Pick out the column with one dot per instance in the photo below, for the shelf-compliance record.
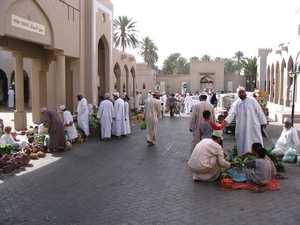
(39, 92)
(20, 117)
(60, 82)
(280, 97)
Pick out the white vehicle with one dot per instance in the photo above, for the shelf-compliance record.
(225, 101)
(195, 99)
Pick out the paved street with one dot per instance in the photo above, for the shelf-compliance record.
(127, 182)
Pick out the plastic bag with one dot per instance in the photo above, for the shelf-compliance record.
(237, 177)
(290, 155)
(143, 125)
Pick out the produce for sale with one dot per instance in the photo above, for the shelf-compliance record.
(6, 149)
(225, 175)
(33, 156)
(40, 154)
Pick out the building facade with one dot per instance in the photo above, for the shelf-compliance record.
(59, 48)
(278, 79)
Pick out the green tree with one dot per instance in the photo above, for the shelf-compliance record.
(229, 67)
(239, 61)
(148, 51)
(250, 70)
(182, 66)
(194, 58)
(125, 33)
(169, 64)
(167, 67)
(206, 57)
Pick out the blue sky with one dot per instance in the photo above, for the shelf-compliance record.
(217, 28)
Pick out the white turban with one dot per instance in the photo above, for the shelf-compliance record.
(106, 95)
(289, 120)
(203, 93)
(116, 94)
(217, 133)
(62, 107)
(79, 93)
(240, 88)
(43, 109)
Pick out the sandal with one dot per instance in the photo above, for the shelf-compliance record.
(256, 189)
(119, 137)
(150, 144)
(280, 176)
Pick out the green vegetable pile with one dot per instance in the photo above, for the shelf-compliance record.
(40, 138)
(233, 153)
(93, 122)
(225, 175)
(279, 166)
(6, 149)
(238, 161)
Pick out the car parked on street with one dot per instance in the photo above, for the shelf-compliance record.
(225, 101)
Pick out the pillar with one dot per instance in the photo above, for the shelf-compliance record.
(39, 91)
(60, 82)
(20, 117)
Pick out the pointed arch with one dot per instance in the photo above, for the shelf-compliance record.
(103, 66)
(117, 73)
(206, 82)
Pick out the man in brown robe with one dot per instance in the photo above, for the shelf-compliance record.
(151, 115)
(55, 130)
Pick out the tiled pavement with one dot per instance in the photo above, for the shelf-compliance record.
(127, 182)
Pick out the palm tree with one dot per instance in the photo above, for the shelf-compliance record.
(182, 66)
(205, 57)
(169, 64)
(238, 59)
(125, 33)
(250, 69)
(167, 67)
(229, 66)
(195, 58)
(148, 51)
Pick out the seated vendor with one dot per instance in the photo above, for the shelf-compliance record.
(288, 139)
(258, 171)
(7, 138)
(207, 159)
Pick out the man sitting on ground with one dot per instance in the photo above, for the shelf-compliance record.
(7, 138)
(288, 139)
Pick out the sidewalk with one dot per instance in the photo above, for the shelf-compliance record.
(124, 181)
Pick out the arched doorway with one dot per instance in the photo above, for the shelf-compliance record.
(103, 66)
(206, 82)
(3, 87)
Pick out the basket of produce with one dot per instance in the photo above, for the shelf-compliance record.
(226, 183)
(7, 169)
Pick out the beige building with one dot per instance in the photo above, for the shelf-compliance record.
(279, 62)
(203, 75)
(59, 48)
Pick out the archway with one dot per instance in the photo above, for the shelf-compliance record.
(3, 87)
(103, 66)
(206, 82)
(117, 72)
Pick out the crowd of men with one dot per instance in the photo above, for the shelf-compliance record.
(206, 153)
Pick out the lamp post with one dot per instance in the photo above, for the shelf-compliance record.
(293, 73)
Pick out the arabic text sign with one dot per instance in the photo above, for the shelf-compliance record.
(22, 23)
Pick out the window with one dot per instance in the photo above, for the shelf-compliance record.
(144, 86)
